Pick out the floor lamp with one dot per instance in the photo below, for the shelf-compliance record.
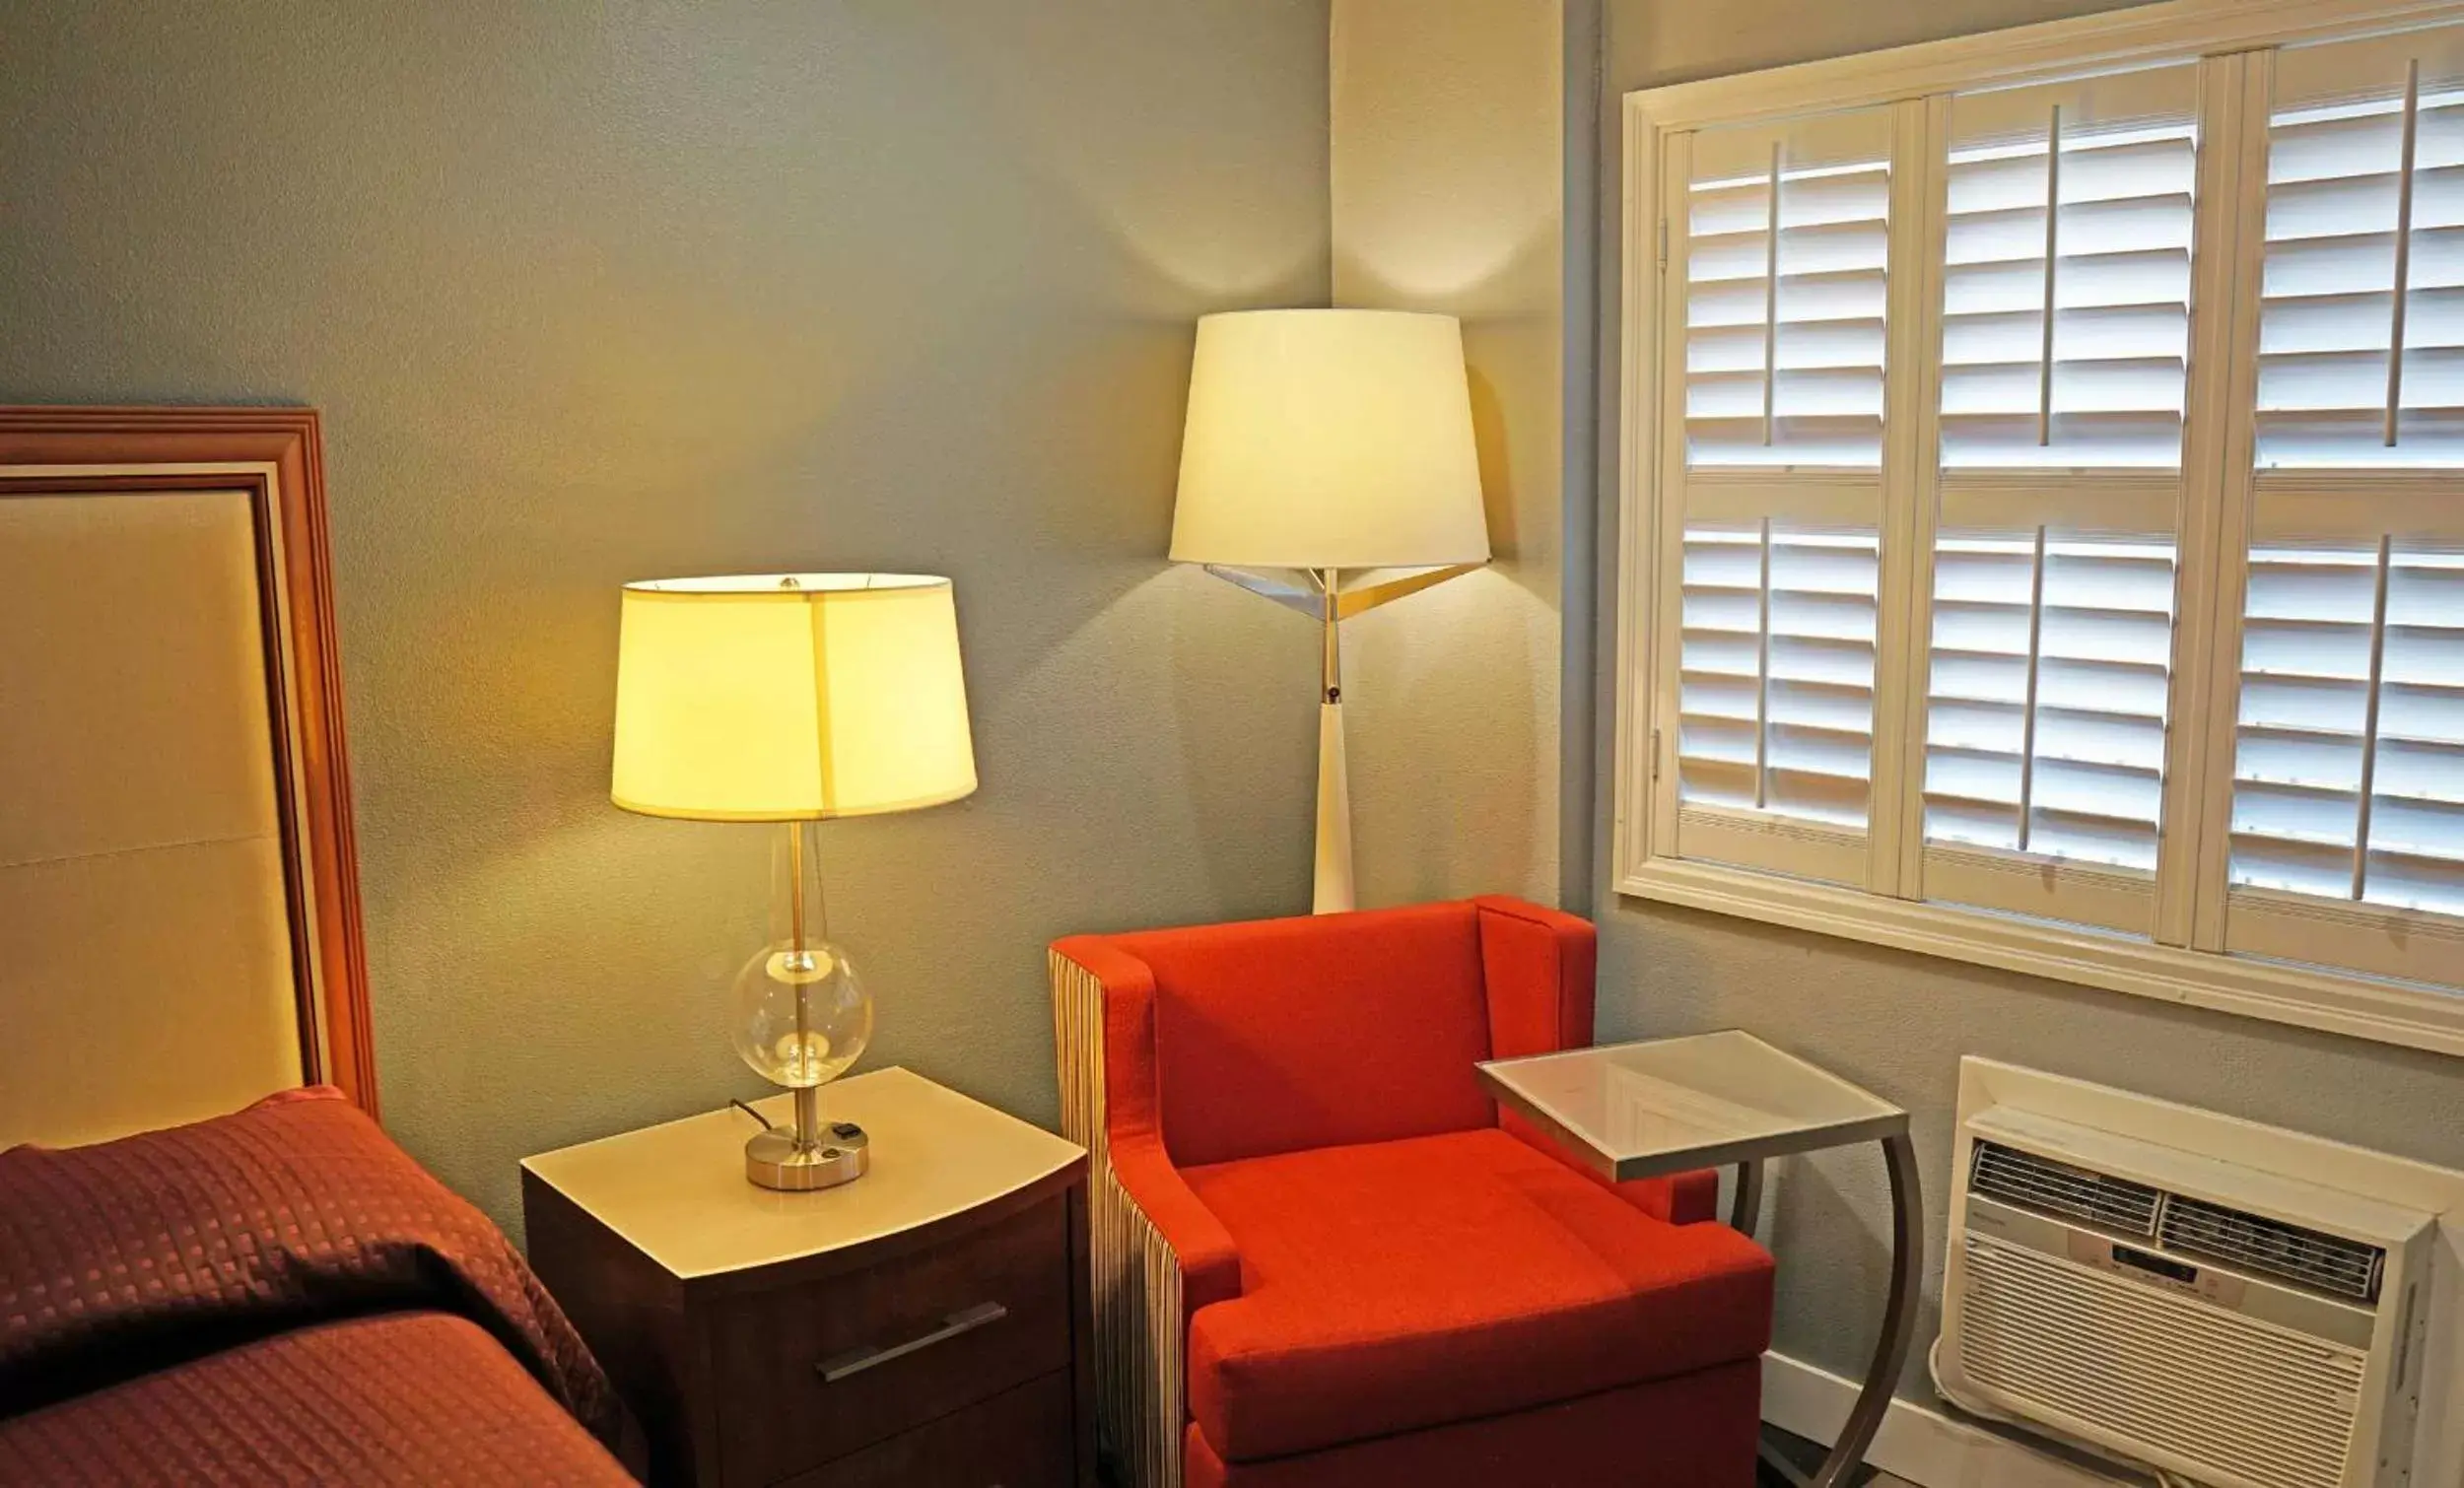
(1328, 464)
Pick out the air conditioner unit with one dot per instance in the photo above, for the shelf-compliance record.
(2189, 1310)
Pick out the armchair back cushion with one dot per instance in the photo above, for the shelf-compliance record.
(1282, 1034)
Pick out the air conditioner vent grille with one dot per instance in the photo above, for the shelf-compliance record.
(2041, 1183)
(2227, 1397)
(2271, 1248)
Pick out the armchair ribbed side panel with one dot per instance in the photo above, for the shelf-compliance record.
(1141, 1399)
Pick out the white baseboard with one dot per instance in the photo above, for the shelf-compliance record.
(1925, 1446)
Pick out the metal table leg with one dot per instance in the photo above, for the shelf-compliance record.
(1745, 1207)
(1891, 1351)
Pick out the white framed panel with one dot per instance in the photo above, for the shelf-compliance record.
(2215, 457)
(1912, 434)
(2079, 501)
(2274, 990)
(1772, 844)
(2011, 883)
(2401, 947)
(1774, 247)
(2425, 509)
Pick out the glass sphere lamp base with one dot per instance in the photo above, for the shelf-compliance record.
(803, 1016)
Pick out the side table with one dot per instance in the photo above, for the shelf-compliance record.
(926, 1323)
(1664, 1106)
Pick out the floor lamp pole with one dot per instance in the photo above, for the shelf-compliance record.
(1322, 595)
(1333, 879)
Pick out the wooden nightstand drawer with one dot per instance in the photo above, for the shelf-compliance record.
(810, 1373)
(1018, 1439)
(905, 1329)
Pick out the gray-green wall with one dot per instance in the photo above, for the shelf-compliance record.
(591, 292)
(1444, 137)
(598, 292)
(1894, 1022)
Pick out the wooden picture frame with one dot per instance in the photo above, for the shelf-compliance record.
(273, 456)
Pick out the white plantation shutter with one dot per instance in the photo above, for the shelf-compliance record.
(1784, 262)
(2349, 774)
(2361, 326)
(2066, 331)
(1776, 710)
(2075, 197)
(2350, 781)
(2414, 855)
(1786, 232)
(2348, 795)
(2049, 685)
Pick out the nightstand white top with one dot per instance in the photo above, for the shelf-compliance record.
(677, 1192)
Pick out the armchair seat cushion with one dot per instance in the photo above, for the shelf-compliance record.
(1405, 1284)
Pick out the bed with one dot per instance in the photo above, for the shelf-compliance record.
(215, 1267)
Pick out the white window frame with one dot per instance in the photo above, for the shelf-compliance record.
(2191, 889)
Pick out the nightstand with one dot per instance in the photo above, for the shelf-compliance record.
(927, 1324)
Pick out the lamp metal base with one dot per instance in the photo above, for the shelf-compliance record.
(842, 1154)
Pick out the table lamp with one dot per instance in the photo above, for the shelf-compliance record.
(792, 697)
(1336, 444)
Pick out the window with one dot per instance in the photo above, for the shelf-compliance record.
(2046, 506)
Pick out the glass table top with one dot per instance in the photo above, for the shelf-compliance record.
(1673, 1105)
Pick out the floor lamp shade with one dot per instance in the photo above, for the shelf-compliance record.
(790, 696)
(1328, 439)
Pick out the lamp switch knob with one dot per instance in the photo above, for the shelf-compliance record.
(846, 1131)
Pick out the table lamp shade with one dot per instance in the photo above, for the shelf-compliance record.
(775, 697)
(1328, 439)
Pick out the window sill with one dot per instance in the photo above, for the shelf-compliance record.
(2362, 1007)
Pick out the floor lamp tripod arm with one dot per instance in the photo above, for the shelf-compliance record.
(1324, 598)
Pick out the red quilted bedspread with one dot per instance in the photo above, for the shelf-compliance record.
(278, 1296)
(420, 1400)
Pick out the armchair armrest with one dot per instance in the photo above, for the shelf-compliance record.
(1129, 1144)
(1210, 1266)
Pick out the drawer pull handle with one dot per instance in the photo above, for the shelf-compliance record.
(857, 1360)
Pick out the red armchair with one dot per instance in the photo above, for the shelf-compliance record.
(1320, 1260)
